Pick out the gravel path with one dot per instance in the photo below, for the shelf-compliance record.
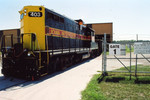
(65, 85)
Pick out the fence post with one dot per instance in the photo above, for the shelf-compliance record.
(102, 55)
(105, 56)
(130, 60)
(136, 59)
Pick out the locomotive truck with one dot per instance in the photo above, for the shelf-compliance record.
(48, 42)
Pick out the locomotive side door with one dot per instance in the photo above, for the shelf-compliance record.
(28, 41)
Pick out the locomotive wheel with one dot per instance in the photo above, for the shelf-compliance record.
(36, 75)
(56, 65)
(92, 55)
(70, 59)
(6, 69)
(63, 63)
(74, 59)
(78, 58)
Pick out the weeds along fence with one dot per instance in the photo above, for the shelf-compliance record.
(129, 55)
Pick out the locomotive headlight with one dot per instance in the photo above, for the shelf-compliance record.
(29, 54)
(25, 10)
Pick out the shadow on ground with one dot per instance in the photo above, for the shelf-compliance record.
(7, 84)
(117, 79)
(110, 79)
(142, 81)
(114, 79)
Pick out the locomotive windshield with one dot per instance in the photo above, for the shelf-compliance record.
(21, 16)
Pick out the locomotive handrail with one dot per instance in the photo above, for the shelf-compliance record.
(59, 50)
(3, 42)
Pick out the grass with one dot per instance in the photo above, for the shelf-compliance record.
(139, 68)
(92, 92)
(119, 87)
(107, 53)
(128, 49)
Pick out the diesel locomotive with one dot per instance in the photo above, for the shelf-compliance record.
(48, 42)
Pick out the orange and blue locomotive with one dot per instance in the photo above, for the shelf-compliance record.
(48, 42)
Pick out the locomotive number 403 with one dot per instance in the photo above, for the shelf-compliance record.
(35, 14)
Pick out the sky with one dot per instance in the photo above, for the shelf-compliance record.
(129, 17)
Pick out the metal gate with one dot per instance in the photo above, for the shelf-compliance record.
(118, 51)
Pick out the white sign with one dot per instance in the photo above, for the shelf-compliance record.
(117, 49)
(142, 48)
(123, 50)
